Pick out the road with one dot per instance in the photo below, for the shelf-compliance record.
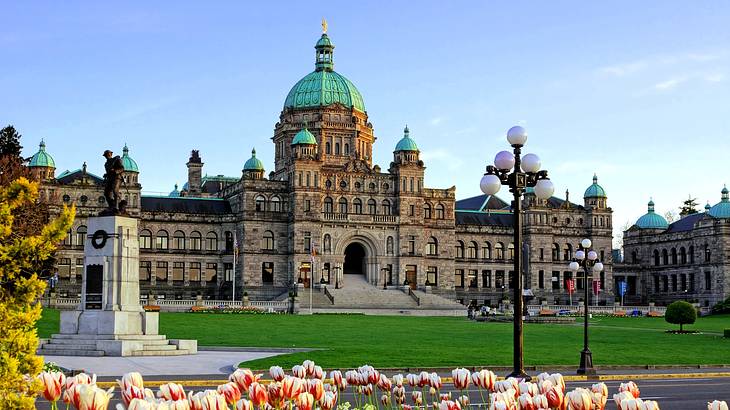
(670, 393)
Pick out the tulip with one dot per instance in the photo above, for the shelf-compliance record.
(384, 383)
(630, 387)
(650, 405)
(139, 404)
(399, 395)
(173, 405)
(134, 392)
(299, 371)
(407, 407)
(318, 373)
(554, 397)
(329, 400)
(449, 405)
(258, 393)
(385, 400)
(274, 394)
(631, 404)
(244, 404)
(598, 400)
(53, 383)
(540, 402)
(305, 401)
(291, 387)
(461, 378)
(525, 401)
(464, 400)
(417, 397)
(624, 395)
(71, 395)
(277, 373)
(315, 387)
(412, 379)
(243, 378)
(171, 391)
(424, 378)
(131, 379)
(308, 367)
(93, 398)
(528, 388)
(367, 389)
(600, 388)
(445, 396)
(578, 399)
(545, 385)
(373, 376)
(484, 379)
(717, 405)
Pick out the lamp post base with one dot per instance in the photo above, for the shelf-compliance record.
(520, 374)
(586, 363)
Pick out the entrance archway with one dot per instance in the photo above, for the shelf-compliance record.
(354, 259)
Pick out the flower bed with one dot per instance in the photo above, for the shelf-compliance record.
(245, 310)
(151, 308)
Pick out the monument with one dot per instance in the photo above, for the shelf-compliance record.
(109, 319)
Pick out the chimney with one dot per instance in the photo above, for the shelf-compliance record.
(195, 172)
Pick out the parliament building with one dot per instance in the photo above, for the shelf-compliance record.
(326, 215)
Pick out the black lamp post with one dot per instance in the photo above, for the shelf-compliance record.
(587, 259)
(518, 173)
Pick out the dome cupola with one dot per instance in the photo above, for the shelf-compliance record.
(42, 158)
(406, 143)
(304, 137)
(130, 165)
(253, 163)
(722, 208)
(595, 190)
(651, 220)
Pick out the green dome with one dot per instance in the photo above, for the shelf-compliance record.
(42, 158)
(253, 163)
(130, 165)
(406, 143)
(722, 208)
(304, 137)
(175, 193)
(651, 220)
(324, 86)
(595, 190)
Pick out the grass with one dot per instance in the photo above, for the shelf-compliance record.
(395, 341)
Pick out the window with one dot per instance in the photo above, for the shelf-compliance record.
(145, 270)
(707, 253)
(541, 279)
(487, 278)
(633, 257)
(473, 281)
(327, 243)
(161, 240)
(211, 241)
(211, 272)
(665, 257)
(431, 276)
(568, 252)
(433, 246)
(708, 280)
(81, 235)
(411, 245)
(665, 283)
(79, 269)
(386, 207)
(656, 257)
(459, 249)
(64, 268)
(327, 148)
(267, 272)
(427, 211)
(307, 241)
(691, 254)
(229, 241)
(260, 203)
(307, 205)
(682, 255)
(195, 271)
(511, 251)
(499, 279)
(343, 205)
(357, 206)
(487, 251)
(178, 240)
(439, 211)
(674, 256)
(328, 205)
(556, 252)
(542, 254)
(178, 271)
(556, 280)
(372, 206)
(196, 241)
(268, 241)
(228, 272)
(68, 240)
(499, 250)
(145, 239)
(472, 250)
(656, 283)
(683, 278)
(347, 149)
(275, 204)
(412, 210)
(161, 272)
(691, 282)
(459, 278)
(389, 245)
(337, 148)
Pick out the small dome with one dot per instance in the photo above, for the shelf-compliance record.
(304, 137)
(130, 165)
(406, 143)
(253, 163)
(42, 158)
(595, 190)
(324, 41)
(651, 220)
(707, 207)
(175, 193)
(722, 208)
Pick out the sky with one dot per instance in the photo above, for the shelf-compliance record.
(636, 92)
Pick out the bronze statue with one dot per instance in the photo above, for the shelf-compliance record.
(112, 184)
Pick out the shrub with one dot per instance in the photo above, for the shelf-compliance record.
(727, 333)
(722, 307)
(680, 313)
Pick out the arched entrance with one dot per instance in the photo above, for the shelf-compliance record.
(354, 259)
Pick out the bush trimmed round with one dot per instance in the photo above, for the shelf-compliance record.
(681, 313)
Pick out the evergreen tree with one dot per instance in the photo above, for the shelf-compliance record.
(688, 207)
(10, 142)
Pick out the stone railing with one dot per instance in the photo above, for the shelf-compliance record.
(597, 310)
(329, 295)
(173, 305)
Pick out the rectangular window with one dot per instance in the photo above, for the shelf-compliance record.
(542, 254)
(665, 283)
(656, 284)
(499, 279)
(64, 268)
(161, 271)
(674, 283)
(459, 279)
(211, 242)
(511, 279)
(431, 276)
(161, 242)
(307, 205)
(307, 241)
(683, 278)
(195, 242)
(487, 278)
(556, 280)
(267, 272)
(211, 272)
(708, 280)
(79, 268)
(145, 270)
(541, 279)
(473, 282)
(178, 242)
(195, 271)
(412, 210)
(145, 242)
(411, 245)
(691, 282)
(228, 272)
(178, 271)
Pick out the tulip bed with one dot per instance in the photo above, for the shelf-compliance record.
(418, 342)
(307, 388)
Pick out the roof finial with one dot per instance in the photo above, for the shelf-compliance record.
(324, 26)
(42, 145)
(83, 167)
(406, 131)
(125, 150)
(595, 178)
(253, 152)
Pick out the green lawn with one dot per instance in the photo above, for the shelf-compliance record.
(395, 341)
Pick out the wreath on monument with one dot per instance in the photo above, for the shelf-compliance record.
(98, 239)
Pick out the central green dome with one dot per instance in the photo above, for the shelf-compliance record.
(324, 86)
(42, 158)
(652, 220)
(130, 165)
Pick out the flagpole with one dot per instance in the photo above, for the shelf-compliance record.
(235, 252)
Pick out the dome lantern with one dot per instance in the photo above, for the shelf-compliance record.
(130, 165)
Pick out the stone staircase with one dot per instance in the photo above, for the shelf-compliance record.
(86, 345)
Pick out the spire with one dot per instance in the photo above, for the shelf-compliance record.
(707, 206)
(125, 150)
(42, 145)
(595, 178)
(405, 131)
(651, 205)
(724, 194)
(325, 51)
(253, 153)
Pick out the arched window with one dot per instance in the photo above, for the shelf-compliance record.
(487, 250)
(327, 148)
(229, 241)
(386, 207)
(343, 205)
(327, 243)
(656, 257)
(682, 255)
(196, 241)
(674, 256)
(268, 241)
(633, 257)
(372, 206)
(178, 240)
(427, 211)
(665, 257)
(433, 246)
(511, 249)
(692, 254)
(81, 235)
(459, 249)
(389, 245)
(357, 206)
(347, 149)
(472, 250)
(499, 250)
(337, 148)
(161, 240)
(275, 204)
(568, 253)
(211, 241)
(328, 205)
(260, 203)
(707, 253)
(145, 239)
(267, 272)
(439, 211)
(556, 252)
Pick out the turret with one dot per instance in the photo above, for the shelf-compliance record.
(195, 174)
(41, 165)
(595, 195)
(253, 168)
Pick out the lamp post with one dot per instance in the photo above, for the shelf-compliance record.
(586, 258)
(518, 173)
(337, 276)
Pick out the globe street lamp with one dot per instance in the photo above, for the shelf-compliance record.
(518, 173)
(586, 258)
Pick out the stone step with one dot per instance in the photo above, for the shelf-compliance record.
(71, 342)
(160, 352)
(65, 346)
(159, 347)
(69, 352)
(107, 337)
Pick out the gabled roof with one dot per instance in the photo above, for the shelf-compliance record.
(685, 224)
(69, 177)
(481, 203)
(209, 206)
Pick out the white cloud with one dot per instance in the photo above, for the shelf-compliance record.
(442, 156)
(620, 70)
(436, 120)
(669, 84)
(715, 78)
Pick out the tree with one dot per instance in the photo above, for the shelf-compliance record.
(680, 313)
(688, 207)
(670, 216)
(10, 142)
(20, 290)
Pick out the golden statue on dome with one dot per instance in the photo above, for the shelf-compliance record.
(324, 26)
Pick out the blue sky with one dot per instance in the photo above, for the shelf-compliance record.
(636, 92)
